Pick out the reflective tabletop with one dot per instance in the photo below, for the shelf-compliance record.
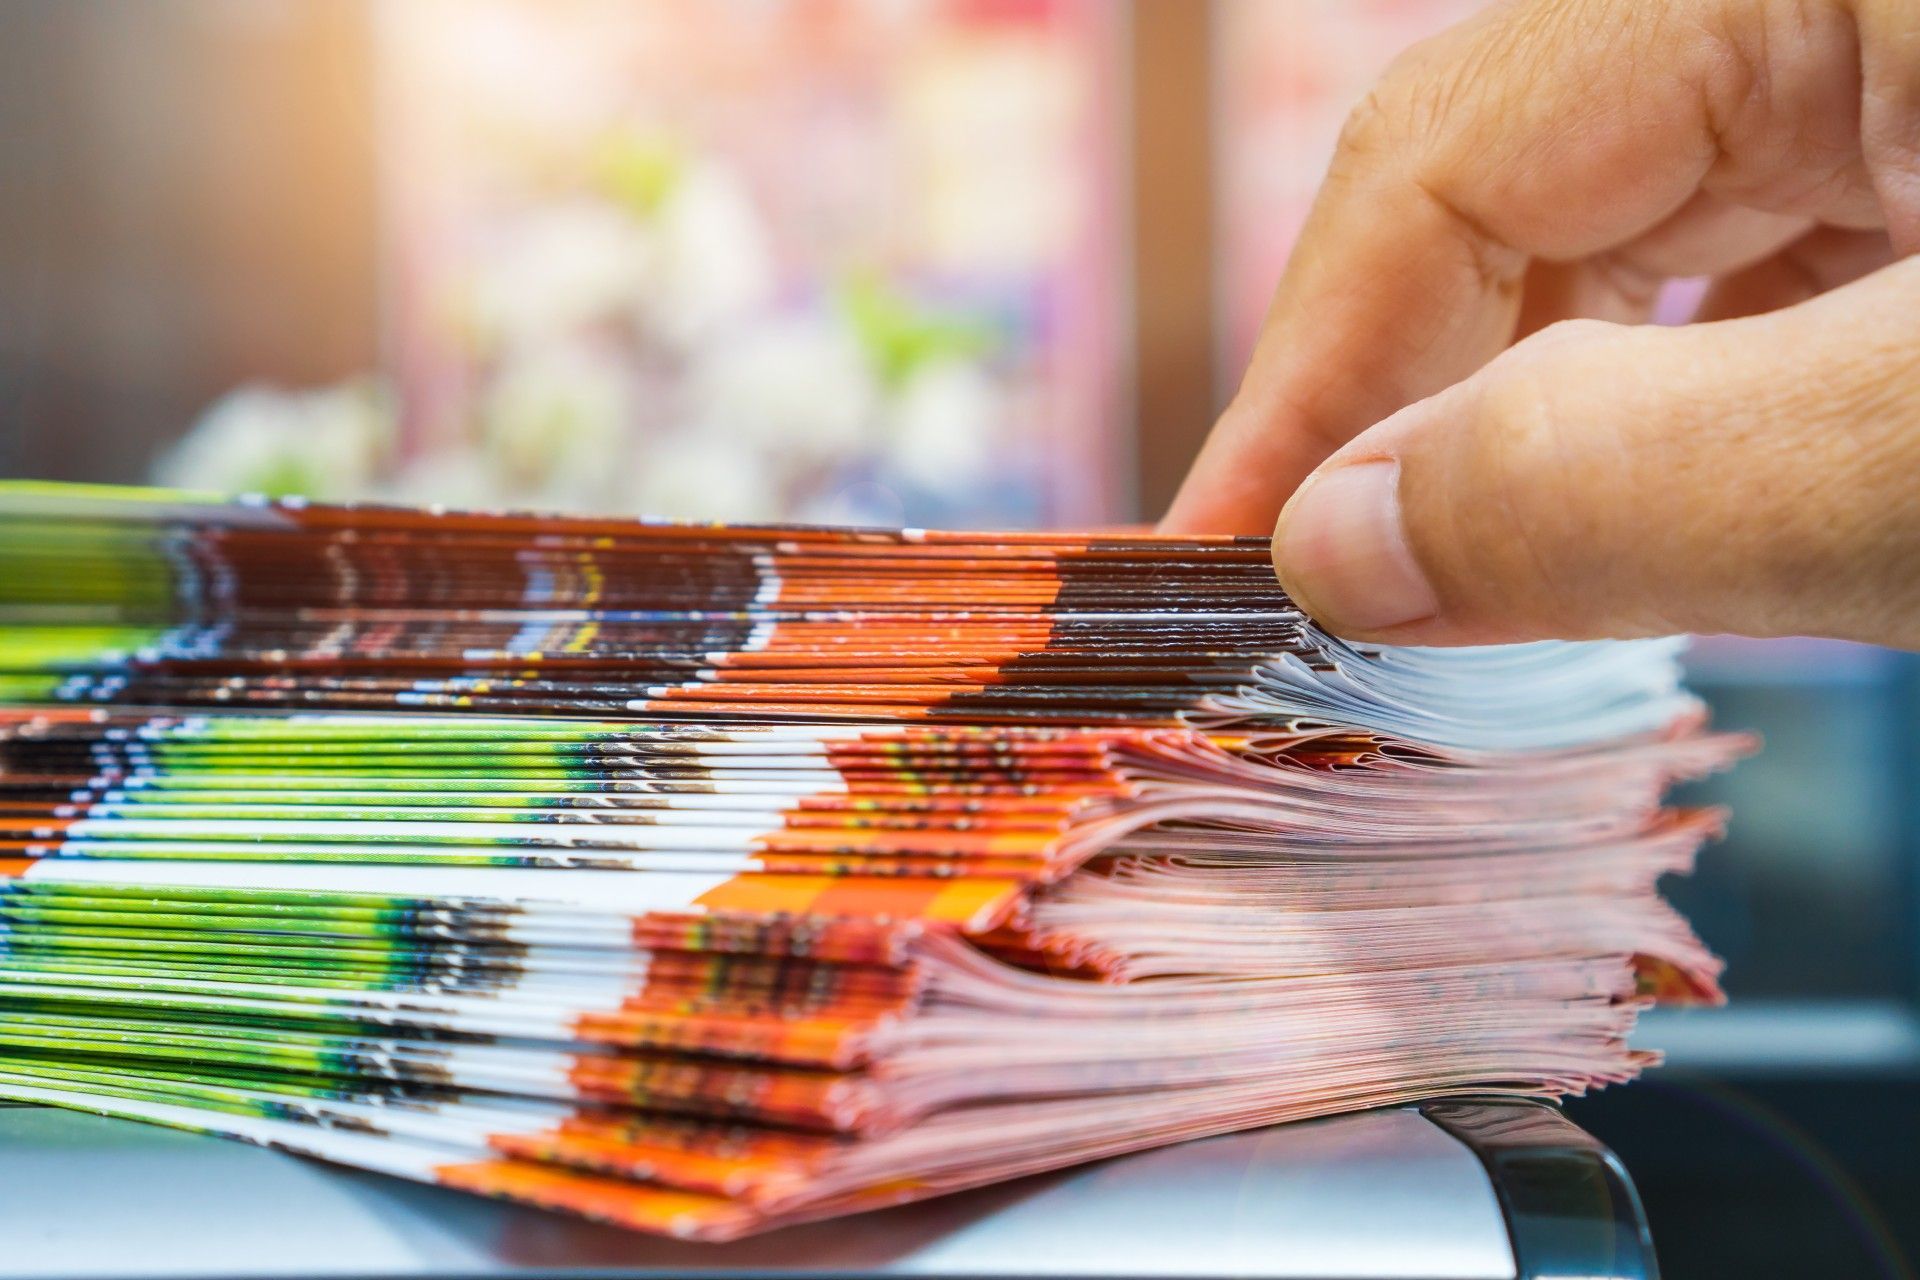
(1394, 1193)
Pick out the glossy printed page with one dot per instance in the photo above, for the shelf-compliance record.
(702, 878)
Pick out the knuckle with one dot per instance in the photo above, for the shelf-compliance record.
(1528, 463)
(1561, 341)
(1372, 131)
(1519, 418)
(1405, 107)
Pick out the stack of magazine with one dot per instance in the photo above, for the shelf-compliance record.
(704, 878)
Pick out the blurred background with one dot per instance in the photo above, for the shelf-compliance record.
(939, 262)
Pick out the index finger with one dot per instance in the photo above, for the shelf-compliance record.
(1551, 129)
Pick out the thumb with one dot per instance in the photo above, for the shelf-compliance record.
(1759, 476)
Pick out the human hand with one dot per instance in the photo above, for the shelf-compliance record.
(1757, 471)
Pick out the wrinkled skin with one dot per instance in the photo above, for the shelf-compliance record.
(1473, 438)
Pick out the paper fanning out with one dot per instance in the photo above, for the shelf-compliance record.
(702, 878)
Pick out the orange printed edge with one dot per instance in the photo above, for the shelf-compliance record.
(663, 1211)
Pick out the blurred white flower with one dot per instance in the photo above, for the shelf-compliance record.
(795, 388)
(562, 266)
(942, 423)
(700, 476)
(713, 264)
(555, 421)
(327, 442)
(458, 477)
(864, 502)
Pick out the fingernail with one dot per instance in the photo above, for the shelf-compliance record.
(1341, 551)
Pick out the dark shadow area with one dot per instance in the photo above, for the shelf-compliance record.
(1781, 1177)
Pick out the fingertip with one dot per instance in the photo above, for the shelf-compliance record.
(1185, 516)
(1340, 549)
(1205, 506)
